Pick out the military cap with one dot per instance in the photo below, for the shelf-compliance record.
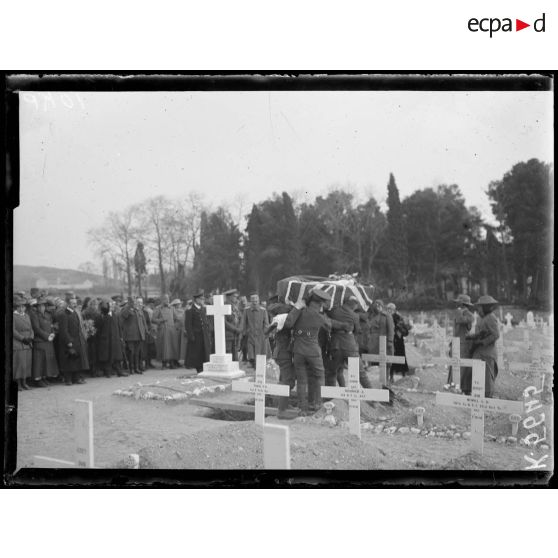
(199, 294)
(320, 295)
(231, 292)
(463, 299)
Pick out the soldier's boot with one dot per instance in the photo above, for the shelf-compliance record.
(317, 398)
(302, 393)
(282, 409)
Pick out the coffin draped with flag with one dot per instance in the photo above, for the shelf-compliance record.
(294, 289)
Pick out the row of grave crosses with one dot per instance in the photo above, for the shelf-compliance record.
(354, 393)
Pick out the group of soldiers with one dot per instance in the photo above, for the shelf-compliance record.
(311, 346)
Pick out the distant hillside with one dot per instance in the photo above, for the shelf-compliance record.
(27, 276)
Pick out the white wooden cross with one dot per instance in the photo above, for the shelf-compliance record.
(83, 437)
(455, 361)
(258, 388)
(382, 359)
(354, 393)
(219, 310)
(276, 450)
(479, 404)
(541, 363)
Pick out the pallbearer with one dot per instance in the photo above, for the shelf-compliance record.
(306, 323)
(282, 352)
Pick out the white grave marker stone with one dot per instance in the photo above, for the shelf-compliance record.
(277, 450)
(221, 364)
(509, 318)
(258, 388)
(530, 320)
(382, 359)
(479, 404)
(83, 437)
(354, 393)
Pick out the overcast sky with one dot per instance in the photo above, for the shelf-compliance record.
(85, 154)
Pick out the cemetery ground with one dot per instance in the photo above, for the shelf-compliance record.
(175, 433)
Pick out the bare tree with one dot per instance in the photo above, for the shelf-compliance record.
(116, 239)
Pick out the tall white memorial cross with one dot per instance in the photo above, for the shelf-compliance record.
(83, 437)
(455, 361)
(479, 404)
(382, 359)
(219, 311)
(221, 364)
(258, 388)
(354, 393)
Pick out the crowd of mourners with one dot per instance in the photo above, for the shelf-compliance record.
(66, 339)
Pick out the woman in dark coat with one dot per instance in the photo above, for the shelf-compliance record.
(401, 330)
(109, 340)
(22, 342)
(483, 346)
(44, 359)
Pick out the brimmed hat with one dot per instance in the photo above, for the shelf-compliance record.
(320, 295)
(69, 294)
(32, 302)
(49, 301)
(175, 302)
(199, 294)
(230, 292)
(390, 305)
(463, 299)
(486, 299)
(19, 301)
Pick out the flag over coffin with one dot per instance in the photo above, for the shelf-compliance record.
(296, 288)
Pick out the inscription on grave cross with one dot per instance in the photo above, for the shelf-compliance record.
(383, 359)
(354, 393)
(455, 361)
(479, 404)
(258, 388)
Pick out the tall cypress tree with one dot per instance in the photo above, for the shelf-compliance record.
(398, 255)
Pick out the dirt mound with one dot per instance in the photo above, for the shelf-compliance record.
(240, 446)
(469, 461)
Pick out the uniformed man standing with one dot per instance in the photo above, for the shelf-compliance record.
(282, 351)
(343, 342)
(306, 322)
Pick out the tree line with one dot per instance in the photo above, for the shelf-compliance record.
(423, 249)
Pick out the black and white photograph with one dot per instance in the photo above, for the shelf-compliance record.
(305, 273)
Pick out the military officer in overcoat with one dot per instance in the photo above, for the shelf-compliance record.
(197, 331)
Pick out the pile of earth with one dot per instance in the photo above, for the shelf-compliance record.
(240, 446)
